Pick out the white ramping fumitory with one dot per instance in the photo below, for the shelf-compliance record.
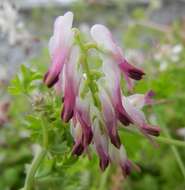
(81, 116)
(103, 37)
(119, 157)
(77, 133)
(59, 46)
(71, 75)
(101, 145)
(133, 105)
(110, 119)
(112, 77)
(71, 80)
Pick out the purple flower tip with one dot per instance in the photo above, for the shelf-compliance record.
(124, 119)
(88, 136)
(135, 73)
(150, 93)
(49, 80)
(78, 149)
(149, 97)
(131, 70)
(114, 137)
(123, 116)
(151, 130)
(104, 162)
(126, 168)
(66, 115)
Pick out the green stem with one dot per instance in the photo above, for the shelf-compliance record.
(37, 160)
(85, 48)
(175, 151)
(90, 81)
(45, 134)
(173, 147)
(179, 160)
(33, 168)
(168, 141)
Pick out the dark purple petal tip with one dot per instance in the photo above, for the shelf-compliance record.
(131, 70)
(50, 80)
(88, 136)
(114, 137)
(151, 130)
(78, 149)
(104, 162)
(150, 93)
(66, 115)
(124, 119)
(149, 97)
(135, 73)
(126, 168)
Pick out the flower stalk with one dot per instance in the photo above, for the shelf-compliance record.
(160, 139)
(33, 168)
(40, 155)
(170, 141)
(85, 48)
(173, 146)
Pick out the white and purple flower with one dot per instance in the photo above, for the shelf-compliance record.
(71, 82)
(101, 143)
(133, 105)
(112, 78)
(104, 39)
(82, 119)
(59, 47)
(110, 119)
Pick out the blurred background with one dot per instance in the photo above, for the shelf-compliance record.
(152, 35)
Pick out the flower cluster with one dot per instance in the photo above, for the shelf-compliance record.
(95, 115)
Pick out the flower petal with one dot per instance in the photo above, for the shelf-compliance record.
(139, 119)
(78, 148)
(110, 119)
(103, 37)
(112, 75)
(77, 134)
(59, 47)
(82, 115)
(71, 84)
(140, 100)
(101, 145)
(151, 130)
